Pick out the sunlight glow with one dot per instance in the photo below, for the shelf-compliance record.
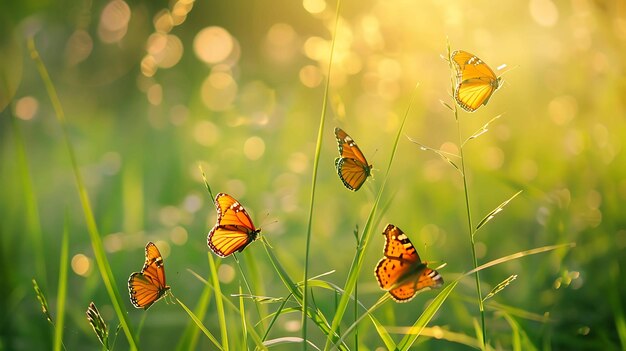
(114, 21)
(213, 45)
(81, 265)
(254, 148)
(26, 108)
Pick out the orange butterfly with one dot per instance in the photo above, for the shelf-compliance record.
(147, 287)
(352, 167)
(234, 229)
(401, 272)
(475, 81)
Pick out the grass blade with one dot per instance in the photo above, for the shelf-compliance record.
(495, 211)
(219, 303)
(426, 316)
(484, 129)
(200, 325)
(189, 339)
(244, 327)
(318, 149)
(444, 155)
(33, 224)
(62, 288)
(92, 228)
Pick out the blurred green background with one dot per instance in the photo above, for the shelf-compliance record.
(152, 89)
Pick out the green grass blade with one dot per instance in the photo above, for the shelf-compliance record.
(479, 335)
(495, 211)
(244, 326)
(200, 325)
(426, 316)
(615, 299)
(33, 224)
(318, 151)
(62, 288)
(92, 228)
(357, 262)
(219, 303)
(519, 255)
(189, 340)
(520, 339)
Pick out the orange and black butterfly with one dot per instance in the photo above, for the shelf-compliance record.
(401, 272)
(352, 167)
(475, 81)
(148, 286)
(234, 229)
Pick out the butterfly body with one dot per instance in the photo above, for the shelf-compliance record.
(475, 81)
(400, 271)
(351, 165)
(148, 286)
(233, 230)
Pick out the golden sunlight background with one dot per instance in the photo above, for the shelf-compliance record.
(151, 90)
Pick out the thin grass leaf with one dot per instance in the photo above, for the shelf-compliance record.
(357, 262)
(33, 223)
(289, 340)
(206, 183)
(200, 325)
(443, 334)
(519, 337)
(495, 211)
(275, 317)
(257, 281)
(219, 303)
(244, 326)
(92, 228)
(500, 287)
(316, 160)
(444, 155)
(62, 288)
(519, 255)
(98, 325)
(42, 301)
(189, 340)
(479, 335)
(484, 129)
(446, 104)
(426, 316)
(380, 329)
(615, 299)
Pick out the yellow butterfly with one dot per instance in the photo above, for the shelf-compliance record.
(401, 272)
(475, 81)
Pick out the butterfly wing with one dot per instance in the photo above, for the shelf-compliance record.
(352, 167)
(476, 82)
(234, 229)
(148, 286)
(401, 272)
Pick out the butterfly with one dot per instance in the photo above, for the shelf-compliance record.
(234, 229)
(475, 81)
(352, 167)
(148, 286)
(401, 272)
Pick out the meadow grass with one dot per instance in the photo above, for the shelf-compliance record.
(234, 322)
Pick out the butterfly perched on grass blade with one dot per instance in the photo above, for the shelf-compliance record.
(148, 286)
(352, 167)
(475, 81)
(234, 229)
(401, 272)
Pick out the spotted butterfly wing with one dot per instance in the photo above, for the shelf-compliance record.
(352, 167)
(475, 81)
(400, 271)
(234, 229)
(148, 286)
